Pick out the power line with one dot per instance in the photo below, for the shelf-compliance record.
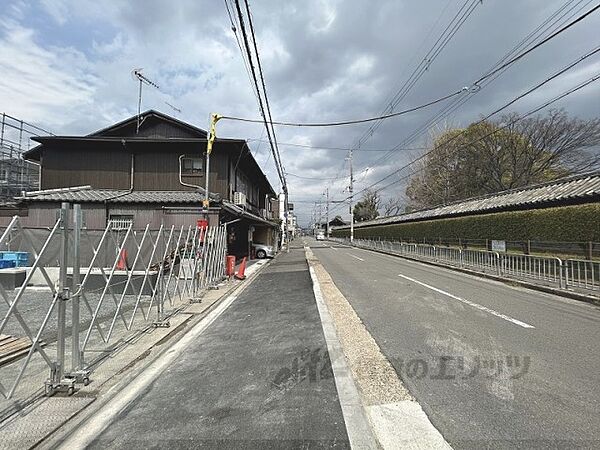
(495, 69)
(356, 121)
(548, 25)
(262, 80)
(321, 147)
(234, 28)
(445, 37)
(451, 29)
(546, 104)
(318, 178)
(539, 44)
(256, 86)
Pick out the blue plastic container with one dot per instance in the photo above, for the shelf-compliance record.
(7, 264)
(20, 259)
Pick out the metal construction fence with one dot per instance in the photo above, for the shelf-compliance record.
(90, 289)
(568, 274)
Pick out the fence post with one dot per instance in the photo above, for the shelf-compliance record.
(562, 271)
(57, 381)
(75, 350)
(590, 250)
(78, 373)
(498, 263)
(63, 292)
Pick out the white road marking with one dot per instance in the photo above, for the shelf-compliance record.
(360, 259)
(405, 425)
(333, 248)
(470, 303)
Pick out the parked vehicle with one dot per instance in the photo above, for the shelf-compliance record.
(320, 236)
(263, 251)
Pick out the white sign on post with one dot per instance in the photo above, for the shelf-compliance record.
(498, 246)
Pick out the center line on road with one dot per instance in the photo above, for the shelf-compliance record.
(350, 254)
(470, 303)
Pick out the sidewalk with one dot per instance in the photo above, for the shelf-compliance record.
(258, 377)
(31, 419)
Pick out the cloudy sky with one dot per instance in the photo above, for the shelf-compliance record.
(66, 65)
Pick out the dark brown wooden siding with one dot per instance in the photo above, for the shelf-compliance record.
(156, 171)
(107, 165)
(98, 167)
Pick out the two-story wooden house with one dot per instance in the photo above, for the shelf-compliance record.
(151, 169)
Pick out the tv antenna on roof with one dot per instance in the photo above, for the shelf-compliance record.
(142, 80)
(173, 107)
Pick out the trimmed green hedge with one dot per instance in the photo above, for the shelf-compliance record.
(565, 223)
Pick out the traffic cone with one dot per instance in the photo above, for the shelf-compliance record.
(122, 263)
(240, 275)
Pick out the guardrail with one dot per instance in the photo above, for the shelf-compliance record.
(93, 287)
(568, 274)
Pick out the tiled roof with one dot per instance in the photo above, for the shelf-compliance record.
(241, 212)
(87, 194)
(564, 190)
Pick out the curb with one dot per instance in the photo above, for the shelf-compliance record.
(510, 281)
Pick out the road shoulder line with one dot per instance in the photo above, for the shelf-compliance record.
(395, 418)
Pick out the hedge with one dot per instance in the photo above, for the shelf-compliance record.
(574, 223)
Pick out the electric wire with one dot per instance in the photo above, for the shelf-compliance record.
(355, 121)
(266, 97)
(496, 130)
(321, 147)
(257, 87)
(544, 27)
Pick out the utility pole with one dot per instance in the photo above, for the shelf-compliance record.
(286, 217)
(212, 134)
(351, 198)
(320, 214)
(327, 214)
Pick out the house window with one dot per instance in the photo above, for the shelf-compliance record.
(191, 166)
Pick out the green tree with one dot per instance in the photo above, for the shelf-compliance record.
(368, 207)
(489, 157)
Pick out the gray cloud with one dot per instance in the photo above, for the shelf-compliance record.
(323, 60)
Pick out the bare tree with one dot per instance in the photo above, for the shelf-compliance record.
(393, 206)
(494, 156)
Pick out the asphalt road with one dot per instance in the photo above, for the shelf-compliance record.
(493, 366)
(259, 377)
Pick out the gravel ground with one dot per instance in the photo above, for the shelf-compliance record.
(373, 373)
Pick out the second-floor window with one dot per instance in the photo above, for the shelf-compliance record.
(191, 166)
